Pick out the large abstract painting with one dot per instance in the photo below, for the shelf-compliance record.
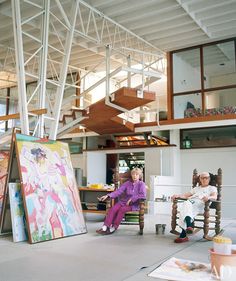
(4, 159)
(49, 190)
(17, 213)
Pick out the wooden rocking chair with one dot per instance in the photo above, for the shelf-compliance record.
(132, 217)
(208, 218)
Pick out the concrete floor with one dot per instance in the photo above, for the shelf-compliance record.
(123, 255)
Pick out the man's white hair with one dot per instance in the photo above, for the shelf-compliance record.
(205, 174)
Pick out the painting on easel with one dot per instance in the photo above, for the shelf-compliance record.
(51, 199)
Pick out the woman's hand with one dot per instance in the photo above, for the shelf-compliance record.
(128, 202)
(103, 198)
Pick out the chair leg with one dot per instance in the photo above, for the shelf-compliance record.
(174, 218)
(141, 218)
(217, 222)
(206, 220)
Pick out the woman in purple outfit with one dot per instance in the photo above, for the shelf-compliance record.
(129, 194)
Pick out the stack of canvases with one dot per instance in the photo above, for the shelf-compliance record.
(46, 205)
(4, 160)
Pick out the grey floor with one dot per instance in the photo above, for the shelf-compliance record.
(90, 257)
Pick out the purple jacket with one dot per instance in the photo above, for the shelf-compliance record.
(128, 190)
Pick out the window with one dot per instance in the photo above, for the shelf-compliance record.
(219, 65)
(208, 137)
(186, 71)
(204, 80)
(187, 105)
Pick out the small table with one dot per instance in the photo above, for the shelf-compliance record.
(89, 201)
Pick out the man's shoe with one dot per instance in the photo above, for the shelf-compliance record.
(189, 230)
(181, 240)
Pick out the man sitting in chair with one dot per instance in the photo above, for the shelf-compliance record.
(194, 205)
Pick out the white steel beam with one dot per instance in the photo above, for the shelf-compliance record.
(63, 72)
(20, 69)
(43, 65)
(185, 6)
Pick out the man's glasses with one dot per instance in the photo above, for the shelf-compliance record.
(204, 178)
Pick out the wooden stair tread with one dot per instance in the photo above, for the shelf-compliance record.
(103, 118)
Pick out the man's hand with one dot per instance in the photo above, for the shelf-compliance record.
(205, 198)
(175, 196)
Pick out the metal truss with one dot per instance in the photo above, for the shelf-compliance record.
(47, 34)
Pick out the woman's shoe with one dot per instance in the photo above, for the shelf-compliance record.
(181, 240)
(104, 232)
(112, 229)
(100, 231)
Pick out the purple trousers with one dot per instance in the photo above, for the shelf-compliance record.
(116, 214)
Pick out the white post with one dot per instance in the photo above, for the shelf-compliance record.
(43, 65)
(161, 162)
(20, 69)
(129, 73)
(108, 53)
(63, 72)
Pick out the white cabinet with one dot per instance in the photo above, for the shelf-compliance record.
(162, 187)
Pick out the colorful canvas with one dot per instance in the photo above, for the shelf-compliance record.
(49, 190)
(182, 270)
(4, 159)
(17, 213)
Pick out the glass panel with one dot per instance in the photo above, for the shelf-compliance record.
(219, 65)
(187, 106)
(186, 71)
(2, 113)
(220, 102)
(3, 95)
(209, 137)
(13, 108)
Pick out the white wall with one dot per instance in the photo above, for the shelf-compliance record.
(96, 167)
(210, 159)
(158, 161)
(77, 161)
(186, 77)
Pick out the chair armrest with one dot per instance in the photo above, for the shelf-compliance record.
(214, 201)
(179, 199)
(215, 204)
(141, 202)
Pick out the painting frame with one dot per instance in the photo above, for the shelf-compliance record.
(4, 166)
(19, 231)
(49, 190)
(5, 215)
